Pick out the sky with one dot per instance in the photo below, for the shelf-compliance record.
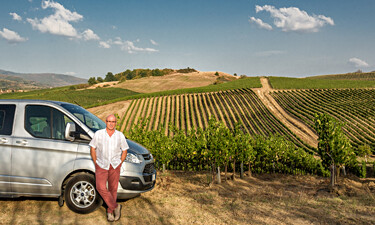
(87, 38)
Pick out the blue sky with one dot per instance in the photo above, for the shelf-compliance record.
(88, 38)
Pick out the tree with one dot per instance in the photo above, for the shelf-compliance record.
(217, 73)
(109, 77)
(157, 72)
(92, 81)
(334, 147)
(99, 80)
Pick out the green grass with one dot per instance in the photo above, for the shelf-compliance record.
(347, 76)
(249, 82)
(310, 83)
(84, 98)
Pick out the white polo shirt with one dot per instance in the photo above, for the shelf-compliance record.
(108, 149)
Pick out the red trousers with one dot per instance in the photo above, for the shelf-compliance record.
(111, 176)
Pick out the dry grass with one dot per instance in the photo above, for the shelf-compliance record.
(103, 111)
(185, 198)
(172, 82)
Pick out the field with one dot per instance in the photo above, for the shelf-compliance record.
(173, 81)
(349, 76)
(354, 107)
(185, 198)
(84, 98)
(310, 83)
(194, 110)
(250, 82)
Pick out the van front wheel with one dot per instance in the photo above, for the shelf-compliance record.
(80, 194)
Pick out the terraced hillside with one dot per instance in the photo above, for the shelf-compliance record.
(354, 107)
(194, 110)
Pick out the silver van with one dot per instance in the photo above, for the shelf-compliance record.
(44, 152)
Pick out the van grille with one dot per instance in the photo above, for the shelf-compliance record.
(149, 168)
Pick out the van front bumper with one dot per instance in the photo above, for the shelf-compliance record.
(136, 184)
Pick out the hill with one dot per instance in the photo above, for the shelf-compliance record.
(347, 76)
(171, 81)
(11, 83)
(43, 80)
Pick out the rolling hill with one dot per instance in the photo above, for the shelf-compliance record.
(171, 81)
(41, 80)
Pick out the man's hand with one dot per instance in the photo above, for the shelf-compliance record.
(123, 156)
(93, 154)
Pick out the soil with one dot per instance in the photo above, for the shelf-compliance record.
(186, 198)
(295, 125)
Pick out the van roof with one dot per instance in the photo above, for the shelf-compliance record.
(32, 101)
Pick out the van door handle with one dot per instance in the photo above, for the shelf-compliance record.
(3, 140)
(22, 142)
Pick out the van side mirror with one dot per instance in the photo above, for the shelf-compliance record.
(70, 129)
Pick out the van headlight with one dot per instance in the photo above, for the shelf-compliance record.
(132, 158)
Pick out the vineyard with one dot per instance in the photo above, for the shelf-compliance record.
(187, 111)
(354, 107)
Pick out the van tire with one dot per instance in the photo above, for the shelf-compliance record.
(81, 195)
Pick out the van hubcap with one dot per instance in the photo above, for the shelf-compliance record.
(83, 194)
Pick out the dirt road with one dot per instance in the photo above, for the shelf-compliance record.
(296, 126)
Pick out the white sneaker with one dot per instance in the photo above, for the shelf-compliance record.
(110, 217)
(117, 212)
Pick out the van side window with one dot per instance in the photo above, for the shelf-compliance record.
(6, 119)
(45, 122)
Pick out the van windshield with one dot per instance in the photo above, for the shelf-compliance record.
(91, 121)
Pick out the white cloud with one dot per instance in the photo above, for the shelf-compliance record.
(103, 44)
(294, 19)
(16, 16)
(153, 42)
(57, 23)
(260, 23)
(269, 53)
(89, 35)
(129, 46)
(11, 36)
(358, 63)
(71, 73)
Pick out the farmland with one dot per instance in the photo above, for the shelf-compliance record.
(311, 83)
(194, 110)
(354, 107)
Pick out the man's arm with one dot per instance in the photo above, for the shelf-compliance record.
(93, 154)
(123, 156)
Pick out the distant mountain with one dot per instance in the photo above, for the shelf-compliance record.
(17, 83)
(41, 80)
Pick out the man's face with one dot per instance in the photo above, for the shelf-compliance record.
(111, 122)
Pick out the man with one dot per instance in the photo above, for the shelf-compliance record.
(108, 151)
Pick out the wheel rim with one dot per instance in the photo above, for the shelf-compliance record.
(83, 194)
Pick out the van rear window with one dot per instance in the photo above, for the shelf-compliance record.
(6, 119)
